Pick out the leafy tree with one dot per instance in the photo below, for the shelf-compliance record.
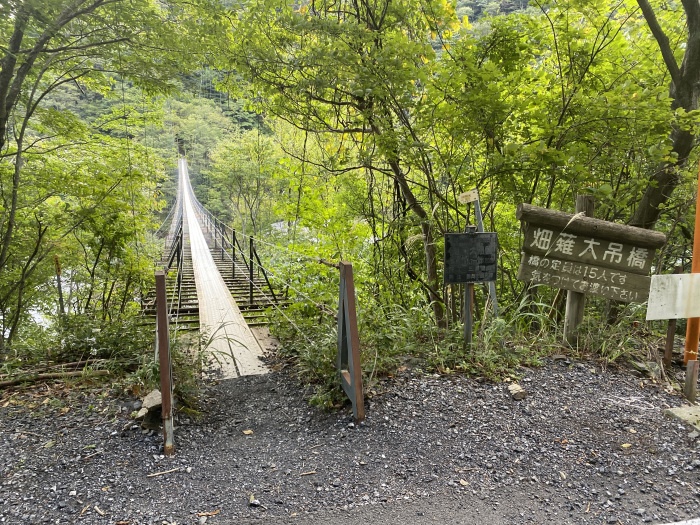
(355, 71)
(684, 91)
(58, 174)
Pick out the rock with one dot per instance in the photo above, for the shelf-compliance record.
(254, 502)
(141, 413)
(202, 520)
(517, 392)
(153, 400)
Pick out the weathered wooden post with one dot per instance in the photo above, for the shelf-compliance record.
(576, 301)
(163, 347)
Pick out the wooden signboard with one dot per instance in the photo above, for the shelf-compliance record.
(587, 255)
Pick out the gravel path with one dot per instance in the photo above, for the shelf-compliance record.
(585, 446)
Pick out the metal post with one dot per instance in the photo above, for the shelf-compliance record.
(480, 229)
(692, 332)
(233, 255)
(163, 346)
(348, 360)
(576, 301)
(250, 259)
(468, 304)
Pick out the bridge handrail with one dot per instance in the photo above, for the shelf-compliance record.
(219, 229)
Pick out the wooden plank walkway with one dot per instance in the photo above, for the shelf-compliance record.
(232, 349)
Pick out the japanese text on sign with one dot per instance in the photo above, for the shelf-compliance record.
(589, 249)
(584, 278)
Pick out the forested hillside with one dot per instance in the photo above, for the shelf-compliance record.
(337, 130)
(476, 9)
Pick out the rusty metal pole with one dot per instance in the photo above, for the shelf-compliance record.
(250, 260)
(348, 360)
(233, 254)
(692, 333)
(166, 385)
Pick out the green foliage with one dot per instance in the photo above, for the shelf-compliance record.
(123, 343)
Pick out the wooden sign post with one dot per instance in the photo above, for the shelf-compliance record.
(164, 359)
(586, 255)
(576, 301)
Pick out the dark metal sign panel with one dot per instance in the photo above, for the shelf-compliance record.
(470, 257)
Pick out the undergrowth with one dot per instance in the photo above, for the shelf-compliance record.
(393, 339)
(124, 347)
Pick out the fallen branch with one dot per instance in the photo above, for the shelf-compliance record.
(49, 366)
(33, 378)
(162, 473)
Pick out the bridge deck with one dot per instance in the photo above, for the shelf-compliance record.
(231, 346)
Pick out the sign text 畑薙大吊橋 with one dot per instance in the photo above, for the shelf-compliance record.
(587, 255)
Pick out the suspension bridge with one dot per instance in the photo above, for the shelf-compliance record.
(216, 284)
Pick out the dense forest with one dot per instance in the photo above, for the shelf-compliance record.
(336, 130)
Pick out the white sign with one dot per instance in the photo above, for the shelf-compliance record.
(468, 196)
(675, 296)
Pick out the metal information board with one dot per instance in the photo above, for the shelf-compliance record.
(470, 257)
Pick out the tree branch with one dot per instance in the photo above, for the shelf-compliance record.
(662, 39)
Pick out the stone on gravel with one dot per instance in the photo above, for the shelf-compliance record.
(688, 413)
(517, 392)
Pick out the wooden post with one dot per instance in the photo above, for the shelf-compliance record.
(163, 346)
(576, 301)
(671, 332)
(670, 338)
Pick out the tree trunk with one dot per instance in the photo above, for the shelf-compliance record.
(684, 91)
(428, 244)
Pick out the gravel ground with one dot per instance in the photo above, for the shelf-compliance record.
(585, 446)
